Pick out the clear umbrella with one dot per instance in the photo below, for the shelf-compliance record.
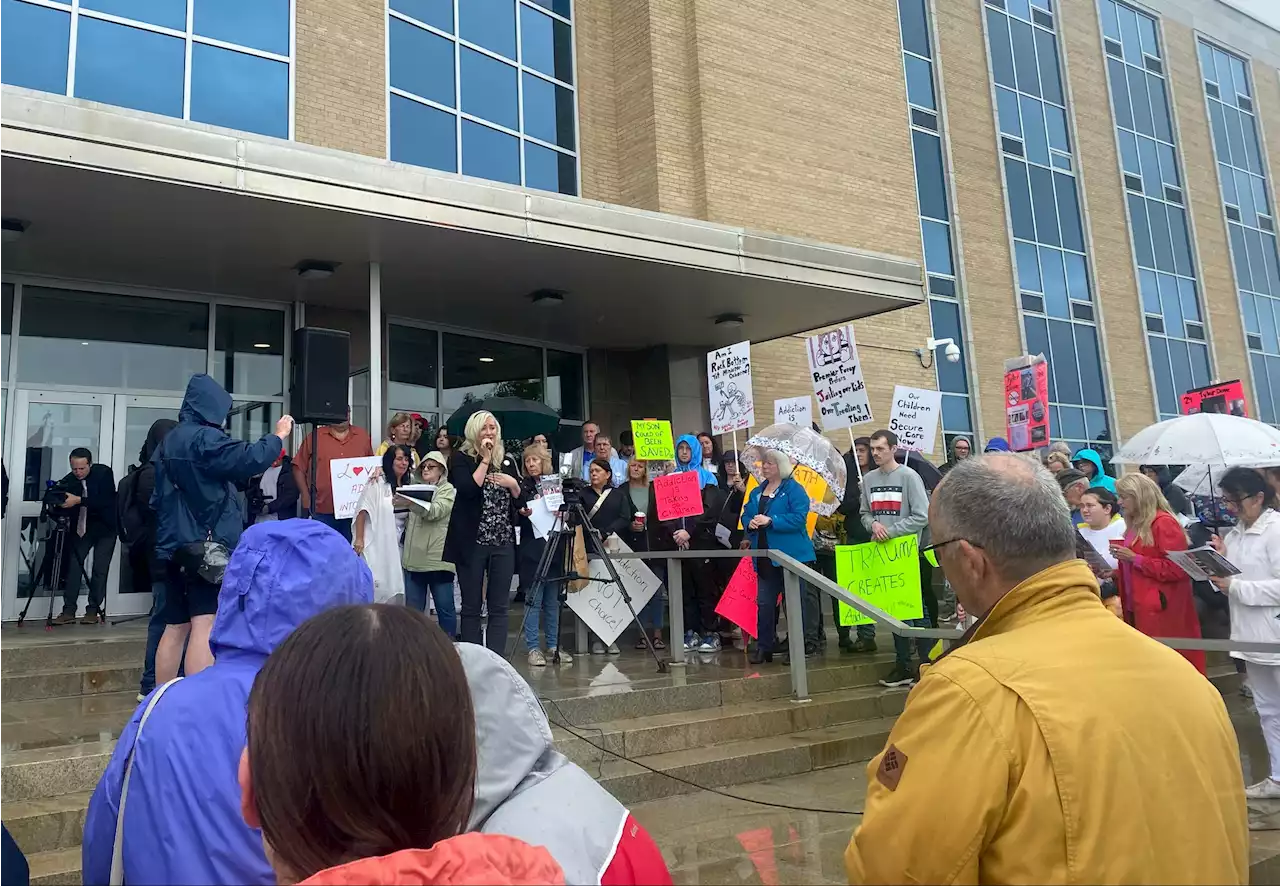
(803, 446)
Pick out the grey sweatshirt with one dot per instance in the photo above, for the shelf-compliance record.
(896, 500)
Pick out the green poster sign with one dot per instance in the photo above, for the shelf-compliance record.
(885, 574)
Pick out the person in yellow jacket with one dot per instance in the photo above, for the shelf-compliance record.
(1056, 744)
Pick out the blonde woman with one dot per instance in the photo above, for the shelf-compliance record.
(481, 540)
(541, 603)
(1154, 591)
(1057, 462)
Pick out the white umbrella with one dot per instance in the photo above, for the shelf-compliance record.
(1206, 438)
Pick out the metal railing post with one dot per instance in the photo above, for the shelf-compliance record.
(675, 599)
(795, 635)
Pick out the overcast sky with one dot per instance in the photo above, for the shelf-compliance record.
(1264, 10)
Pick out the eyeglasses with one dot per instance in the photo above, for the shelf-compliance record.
(942, 544)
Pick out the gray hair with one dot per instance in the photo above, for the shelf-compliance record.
(1010, 507)
(785, 465)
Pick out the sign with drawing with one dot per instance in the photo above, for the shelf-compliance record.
(837, 379)
(350, 475)
(729, 384)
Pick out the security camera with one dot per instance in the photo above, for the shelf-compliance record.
(953, 353)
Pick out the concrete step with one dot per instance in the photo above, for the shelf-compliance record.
(48, 825)
(61, 867)
(71, 680)
(32, 649)
(52, 771)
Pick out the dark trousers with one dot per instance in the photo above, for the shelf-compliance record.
(102, 545)
(826, 565)
(499, 563)
(769, 585)
(155, 571)
(702, 592)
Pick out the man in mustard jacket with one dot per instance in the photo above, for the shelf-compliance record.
(1056, 744)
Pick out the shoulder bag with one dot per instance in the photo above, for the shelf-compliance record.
(207, 559)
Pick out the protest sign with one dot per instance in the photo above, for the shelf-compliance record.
(350, 475)
(885, 574)
(914, 417)
(551, 490)
(738, 602)
(817, 489)
(1026, 394)
(729, 384)
(600, 604)
(837, 379)
(678, 495)
(653, 440)
(794, 411)
(1226, 398)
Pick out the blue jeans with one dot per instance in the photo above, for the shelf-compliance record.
(342, 527)
(440, 586)
(902, 645)
(155, 627)
(542, 600)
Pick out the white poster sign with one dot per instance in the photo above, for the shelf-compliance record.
(349, 477)
(914, 417)
(601, 606)
(733, 406)
(794, 410)
(837, 379)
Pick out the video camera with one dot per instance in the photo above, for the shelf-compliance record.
(55, 496)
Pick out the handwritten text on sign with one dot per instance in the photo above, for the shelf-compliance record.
(837, 379)
(350, 475)
(794, 410)
(678, 495)
(653, 440)
(738, 602)
(600, 604)
(915, 417)
(729, 385)
(885, 574)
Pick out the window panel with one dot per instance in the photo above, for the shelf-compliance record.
(1037, 329)
(1166, 395)
(559, 7)
(1024, 57)
(1036, 136)
(1068, 212)
(1071, 423)
(239, 91)
(487, 153)
(1187, 296)
(1235, 136)
(1047, 53)
(260, 24)
(129, 67)
(1119, 83)
(1267, 323)
(1269, 259)
(1001, 51)
(1077, 276)
(1181, 242)
(1064, 367)
(937, 247)
(1180, 359)
(913, 21)
(1159, 108)
(1148, 286)
(1200, 373)
(1150, 155)
(550, 170)
(34, 43)
(1168, 165)
(1129, 36)
(1096, 425)
(1227, 178)
(437, 13)
(421, 62)
(1253, 158)
(1019, 199)
(1055, 283)
(1160, 236)
(1129, 159)
(488, 88)
(1171, 303)
(1273, 381)
(1007, 106)
(930, 184)
(1110, 20)
(1207, 68)
(1042, 202)
(1141, 103)
(1266, 403)
(1093, 390)
(1056, 124)
(1020, 7)
(1241, 258)
(248, 356)
(1238, 75)
(955, 414)
(1141, 232)
(920, 82)
(566, 383)
(489, 23)
(546, 44)
(1028, 267)
(1221, 144)
(165, 13)
(1244, 191)
(1257, 266)
(548, 112)
(1147, 31)
(1250, 304)
(422, 135)
(1260, 201)
(946, 324)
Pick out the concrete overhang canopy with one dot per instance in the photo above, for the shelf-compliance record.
(130, 198)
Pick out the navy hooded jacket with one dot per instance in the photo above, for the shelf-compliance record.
(183, 822)
(197, 467)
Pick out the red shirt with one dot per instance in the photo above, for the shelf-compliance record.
(356, 444)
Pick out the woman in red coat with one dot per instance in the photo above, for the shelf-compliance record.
(1155, 591)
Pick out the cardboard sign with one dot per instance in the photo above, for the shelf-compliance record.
(794, 411)
(350, 475)
(817, 489)
(600, 604)
(653, 440)
(837, 379)
(729, 384)
(678, 495)
(914, 417)
(738, 602)
(1026, 397)
(885, 574)
(1225, 398)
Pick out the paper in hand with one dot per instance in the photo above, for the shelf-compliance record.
(1203, 563)
(418, 495)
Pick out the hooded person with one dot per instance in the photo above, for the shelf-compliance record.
(142, 550)
(1174, 495)
(1089, 463)
(702, 585)
(183, 820)
(527, 789)
(961, 448)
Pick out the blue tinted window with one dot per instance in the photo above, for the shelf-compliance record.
(1037, 137)
(1047, 52)
(1068, 212)
(259, 24)
(239, 91)
(1001, 52)
(1065, 365)
(1042, 201)
(437, 13)
(937, 247)
(1024, 57)
(1141, 103)
(913, 21)
(550, 170)
(1166, 395)
(165, 13)
(1007, 107)
(1093, 392)
(946, 324)
(129, 67)
(548, 112)
(1119, 82)
(421, 62)
(488, 88)
(1160, 235)
(559, 7)
(930, 183)
(546, 44)
(1159, 108)
(489, 23)
(488, 153)
(423, 135)
(1077, 276)
(919, 82)
(1055, 283)
(1019, 199)
(955, 414)
(33, 46)
(1028, 267)
(1056, 123)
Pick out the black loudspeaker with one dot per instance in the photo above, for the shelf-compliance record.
(321, 365)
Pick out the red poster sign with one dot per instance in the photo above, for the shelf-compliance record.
(679, 495)
(1026, 400)
(1225, 398)
(738, 602)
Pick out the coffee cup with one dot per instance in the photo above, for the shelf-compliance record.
(639, 518)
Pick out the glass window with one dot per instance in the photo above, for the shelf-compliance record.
(937, 247)
(930, 183)
(546, 44)
(1129, 36)
(423, 135)
(1168, 165)
(1235, 136)
(33, 46)
(1042, 201)
(1187, 295)
(1160, 236)
(1120, 92)
(946, 324)
(488, 153)
(1110, 20)
(1141, 103)
(119, 341)
(489, 88)
(1141, 232)
(550, 170)
(1019, 199)
(1036, 135)
(1056, 123)
(1037, 329)
(421, 62)
(129, 67)
(1159, 108)
(1055, 283)
(437, 13)
(1077, 276)
(239, 91)
(165, 13)
(259, 24)
(955, 414)
(1068, 211)
(248, 350)
(1095, 422)
(1091, 385)
(1064, 365)
(1007, 106)
(1149, 289)
(6, 324)
(1166, 396)
(1181, 242)
(412, 367)
(1047, 52)
(913, 21)
(1024, 57)
(1243, 279)
(476, 368)
(559, 7)
(1028, 267)
(548, 111)
(1001, 52)
(251, 420)
(1180, 359)
(1070, 423)
(489, 23)
(1170, 303)
(1129, 159)
(566, 384)
(920, 82)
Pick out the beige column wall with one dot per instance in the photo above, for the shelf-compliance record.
(340, 85)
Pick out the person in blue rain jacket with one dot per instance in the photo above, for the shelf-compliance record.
(182, 821)
(1089, 463)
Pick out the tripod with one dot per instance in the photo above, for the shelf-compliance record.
(50, 572)
(571, 515)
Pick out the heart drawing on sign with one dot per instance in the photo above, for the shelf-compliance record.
(356, 469)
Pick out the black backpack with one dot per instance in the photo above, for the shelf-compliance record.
(132, 515)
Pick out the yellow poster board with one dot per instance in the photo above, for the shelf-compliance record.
(885, 574)
(653, 440)
(813, 484)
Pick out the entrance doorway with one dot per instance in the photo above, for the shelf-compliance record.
(47, 426)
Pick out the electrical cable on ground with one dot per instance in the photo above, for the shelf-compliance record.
(564, 724)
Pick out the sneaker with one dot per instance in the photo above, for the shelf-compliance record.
(691, 641)
(863, 645)
(597, 648)
(1267, 789)
(537, 659)
(710, 643)
(900, 677)
(613, 649)
(64, 618)
(565, 658)
(142, 696)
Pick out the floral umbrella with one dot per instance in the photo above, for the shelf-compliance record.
(803, 446)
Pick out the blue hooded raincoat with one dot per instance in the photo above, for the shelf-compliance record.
(1100, 477)
(183, 822)
(695, 460)
(206, 462)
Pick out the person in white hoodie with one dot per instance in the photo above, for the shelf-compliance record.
(1253, 547)
(1101, 521)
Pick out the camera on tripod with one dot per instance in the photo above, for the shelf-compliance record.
(51, 503)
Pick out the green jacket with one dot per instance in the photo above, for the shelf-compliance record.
(424, 533)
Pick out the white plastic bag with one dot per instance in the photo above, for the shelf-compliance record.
(381, 544)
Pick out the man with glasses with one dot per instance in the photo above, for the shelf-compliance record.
(894, 504)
